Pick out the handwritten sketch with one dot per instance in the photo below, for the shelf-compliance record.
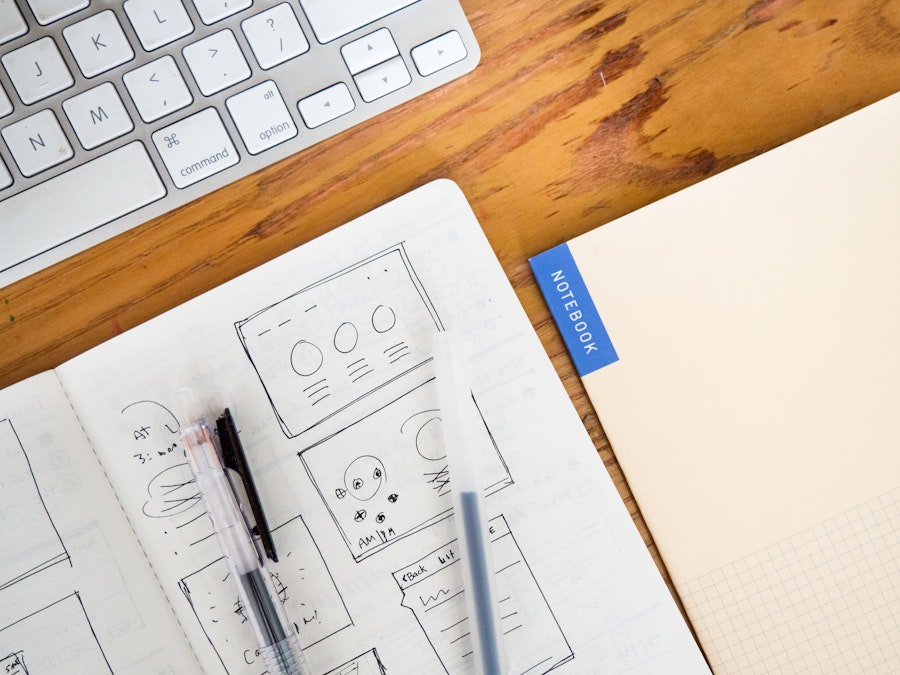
(13, 664)
(339, 340)
(364, 664)
(305, 586)
(31, 542)
(386, 477)
(433, 590)
(55, 640)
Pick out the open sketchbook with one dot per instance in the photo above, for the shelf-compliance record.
(323, 356)
(746, 372)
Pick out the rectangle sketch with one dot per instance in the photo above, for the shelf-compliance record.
(433, 589)
(31, 542)
(364, 664)
(305, 586)
(385, 476)
(55, 640)
(339, 340)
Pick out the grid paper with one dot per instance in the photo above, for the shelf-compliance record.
(826, 600)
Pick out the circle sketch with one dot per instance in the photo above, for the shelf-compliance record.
(306, 358)
(346, 337)
(383, 319)
(364, 477)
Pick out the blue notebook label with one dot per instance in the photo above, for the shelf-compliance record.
(573, 309)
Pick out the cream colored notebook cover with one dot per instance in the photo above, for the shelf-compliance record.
(744, 358)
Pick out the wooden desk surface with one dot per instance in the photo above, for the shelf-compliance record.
(578, 113)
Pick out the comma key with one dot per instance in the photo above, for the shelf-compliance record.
(261, 117)
(195, 148)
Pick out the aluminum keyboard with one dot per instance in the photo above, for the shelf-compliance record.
(112, 113)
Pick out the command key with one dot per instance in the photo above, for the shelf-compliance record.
(195, 148)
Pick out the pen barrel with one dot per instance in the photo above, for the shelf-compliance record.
(261, 606)
(278, 642)
(467, 494)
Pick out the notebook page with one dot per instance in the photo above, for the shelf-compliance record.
(76, 593)
(323, 357)
(753, 403)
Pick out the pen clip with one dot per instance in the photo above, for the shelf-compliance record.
(233, 457)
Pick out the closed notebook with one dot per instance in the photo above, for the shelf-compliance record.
(740, 341)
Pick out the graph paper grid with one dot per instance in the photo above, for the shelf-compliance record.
(826, 600)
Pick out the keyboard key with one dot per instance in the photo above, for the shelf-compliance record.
(216, 62)
(157, 88)
(330, 19)
(37, 70)
(382, 79)
(261, 117)
(12, 24)
(439, 53)
(48, 11)
(275, 36)
(369, 51)
(195, 148)
(5, 104)
(76, 202)
(98, 116)
(326, 105)
(211, 11)
(158, 22)
(98, 43)
(37, 142)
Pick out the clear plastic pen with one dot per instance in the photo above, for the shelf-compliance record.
(275, 634)
(467, 493)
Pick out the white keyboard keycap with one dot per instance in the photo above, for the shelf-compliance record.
(5, 178)
(157, 88)
(37, 70)
(158, 22)
(331, 19)
(326, 105)
(382, 79)
(439, 53)
(275, 36)
(48, 11)
(98, 115)
(12, 24)
(76, 202)
(195, 148)
(98, 43)
(261, 117)
(5, 104)
(37, 142)
(216, 62)
(369, 51)
(211, 11)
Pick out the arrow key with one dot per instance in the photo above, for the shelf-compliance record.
(382, 79)
(437, 54)
(326, 105)
(369, 51)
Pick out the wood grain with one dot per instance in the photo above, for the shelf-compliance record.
(578, 113)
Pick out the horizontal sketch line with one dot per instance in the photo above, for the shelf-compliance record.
(357, 362)
(357, 379)
(263, 333)
(317, 391)
(507, 632)
(314, 384)
(454, 625)
(393, 347)
(464, 635)
(503, 569)
(284, 322)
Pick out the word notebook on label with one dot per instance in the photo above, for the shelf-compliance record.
(112, 113)
(746, 374)
(324, 358)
